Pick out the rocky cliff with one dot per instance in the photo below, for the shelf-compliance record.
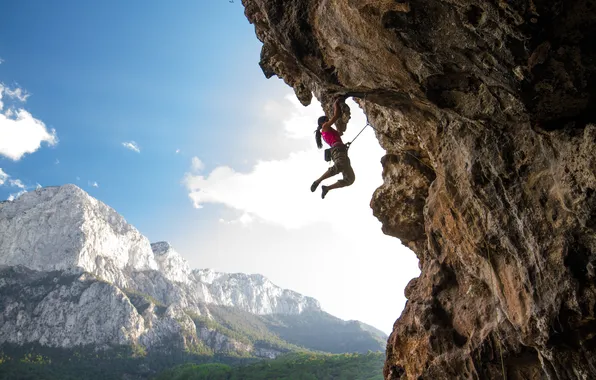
(61, 228)
(74, 273)
(253, 293)
(485, 110)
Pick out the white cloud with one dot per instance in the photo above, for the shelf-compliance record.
(177, 151)
(245, 219)
(56, 162)
(1, 61)
(132, 146)
(38, 186)
(16, 183)
(20, 132)
(302, 122)
(93, 183)
(18, 94)
(352, 266)
(78, 178)
(197, 165)
(14, 196)
(278, 191)
(3, 177)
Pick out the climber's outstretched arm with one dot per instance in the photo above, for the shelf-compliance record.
(336, 112)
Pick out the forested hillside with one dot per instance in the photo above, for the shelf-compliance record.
(303, 366)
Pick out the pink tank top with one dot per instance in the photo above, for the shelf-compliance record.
(331, 137)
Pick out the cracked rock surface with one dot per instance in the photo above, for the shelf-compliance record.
(486, 112)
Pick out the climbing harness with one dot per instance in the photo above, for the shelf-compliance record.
(327, 152)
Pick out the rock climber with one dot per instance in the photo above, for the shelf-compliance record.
(339, 153)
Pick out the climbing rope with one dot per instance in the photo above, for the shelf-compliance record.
(362, 130)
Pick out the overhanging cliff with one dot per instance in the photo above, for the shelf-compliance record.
(484, 109)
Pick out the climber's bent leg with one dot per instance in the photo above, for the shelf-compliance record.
(348, 175)
(328, 174)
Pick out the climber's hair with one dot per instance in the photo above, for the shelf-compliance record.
(321, 120)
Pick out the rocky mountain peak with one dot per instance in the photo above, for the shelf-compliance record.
(171, 263)
(63, 227)
(161, 248)
(73, 272)
(60, 228)
(229, 288)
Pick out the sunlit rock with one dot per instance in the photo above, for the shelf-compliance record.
(486, 112)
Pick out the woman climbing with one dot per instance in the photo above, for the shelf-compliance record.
(339, 153)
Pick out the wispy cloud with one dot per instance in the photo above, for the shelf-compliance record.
(3, 177)
(16, 183)
(244, 220)
(56, 162)
(132, 146)
(6, 180)
(20, 132)
(14, 196)
(18, 94)
(177, 151)
(93, 184)
(196, 164)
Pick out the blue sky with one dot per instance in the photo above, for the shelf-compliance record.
(182, 80)
(165, 77)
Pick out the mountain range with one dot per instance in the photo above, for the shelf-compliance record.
(74, 273)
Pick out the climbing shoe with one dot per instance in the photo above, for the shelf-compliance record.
(324, 192)
(314, 186)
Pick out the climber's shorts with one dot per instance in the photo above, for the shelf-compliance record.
(341, 164)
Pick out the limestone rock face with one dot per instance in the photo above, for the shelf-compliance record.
(252, 293)
(221, 343)
(63, 227)
(170, 263)
(64, 309)
(486, 112)
(74, 273)
(174, 328)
